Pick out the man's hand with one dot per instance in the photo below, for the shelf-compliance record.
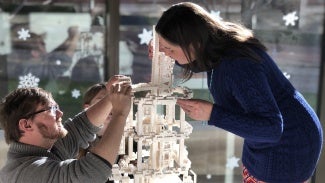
(120, 97)
(115, 80)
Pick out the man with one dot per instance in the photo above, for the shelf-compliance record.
(42, 149)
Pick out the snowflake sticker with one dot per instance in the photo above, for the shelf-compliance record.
(28, 80)
(75, 93)
(58, 62)
(23, 34)
(232, 162)
(145, 36)
(290, 18)
(215, 15)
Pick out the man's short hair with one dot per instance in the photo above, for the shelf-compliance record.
(17, 105)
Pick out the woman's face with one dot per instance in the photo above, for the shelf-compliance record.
(173, 51)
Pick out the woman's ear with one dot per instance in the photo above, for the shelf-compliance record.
(24, 124)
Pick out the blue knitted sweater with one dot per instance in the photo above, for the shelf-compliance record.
(282, 134)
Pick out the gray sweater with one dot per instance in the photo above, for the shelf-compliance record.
(32, 164)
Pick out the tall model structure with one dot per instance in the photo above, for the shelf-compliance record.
(153, 148)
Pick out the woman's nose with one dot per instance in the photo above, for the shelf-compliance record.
(165, 51)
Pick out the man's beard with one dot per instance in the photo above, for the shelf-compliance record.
(52, 134)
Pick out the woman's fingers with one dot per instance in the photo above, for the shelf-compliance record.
(195, 108)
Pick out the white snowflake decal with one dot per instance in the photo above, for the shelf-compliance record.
(23, 34)
(232, 162)
(290, 18)
(75, 93)
(145, 36)
(28, 80)
(215, 15)
(58, 62)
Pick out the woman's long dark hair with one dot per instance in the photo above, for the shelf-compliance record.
(192, 28)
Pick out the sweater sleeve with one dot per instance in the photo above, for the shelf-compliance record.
(253, 112)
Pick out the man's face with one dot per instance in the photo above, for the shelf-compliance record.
(49, 122)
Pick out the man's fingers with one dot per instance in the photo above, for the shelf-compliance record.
(125, 88)
(114, 88)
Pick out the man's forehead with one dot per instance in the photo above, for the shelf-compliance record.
(49, 101)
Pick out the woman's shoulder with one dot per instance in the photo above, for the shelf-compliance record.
(240, 62)
(248, 53)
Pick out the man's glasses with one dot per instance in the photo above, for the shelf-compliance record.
(53, 109)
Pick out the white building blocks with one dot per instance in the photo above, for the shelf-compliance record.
(152, 148)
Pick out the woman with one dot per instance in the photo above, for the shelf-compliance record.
(252, 98)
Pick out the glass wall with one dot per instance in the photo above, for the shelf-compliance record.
(63, 47)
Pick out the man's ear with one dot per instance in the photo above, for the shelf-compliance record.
(25, 124)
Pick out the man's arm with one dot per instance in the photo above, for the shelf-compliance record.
(98, 112)
(118, 101)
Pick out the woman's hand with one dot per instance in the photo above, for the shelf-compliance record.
(196, 109)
